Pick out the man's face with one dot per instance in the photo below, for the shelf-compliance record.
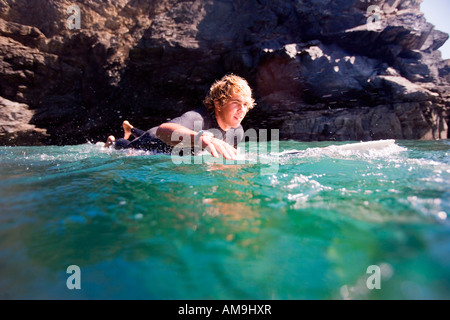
(231, 114)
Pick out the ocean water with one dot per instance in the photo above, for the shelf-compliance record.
(299, 222)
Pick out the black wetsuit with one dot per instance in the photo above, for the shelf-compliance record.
(196, 120)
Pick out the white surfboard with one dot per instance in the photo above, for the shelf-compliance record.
(363, 146)
(357, 146)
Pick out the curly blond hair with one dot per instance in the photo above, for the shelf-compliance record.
(222, 90)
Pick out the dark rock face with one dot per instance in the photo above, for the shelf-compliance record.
(319, 70)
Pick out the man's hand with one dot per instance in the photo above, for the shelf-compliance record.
(167, 131)
(218, 147)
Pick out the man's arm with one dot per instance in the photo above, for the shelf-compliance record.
(217, 147)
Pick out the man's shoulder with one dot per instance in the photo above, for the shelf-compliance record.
(193, 119)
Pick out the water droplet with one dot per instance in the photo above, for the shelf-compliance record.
(442, 215)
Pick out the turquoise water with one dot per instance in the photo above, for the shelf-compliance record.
(140, 226)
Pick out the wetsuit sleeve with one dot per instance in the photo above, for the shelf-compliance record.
(192, 120)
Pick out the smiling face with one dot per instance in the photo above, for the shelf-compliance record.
(230, 98)
(231, 113)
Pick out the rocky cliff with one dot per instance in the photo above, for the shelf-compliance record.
(320, 69)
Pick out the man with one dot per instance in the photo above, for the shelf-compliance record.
(216, 127)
